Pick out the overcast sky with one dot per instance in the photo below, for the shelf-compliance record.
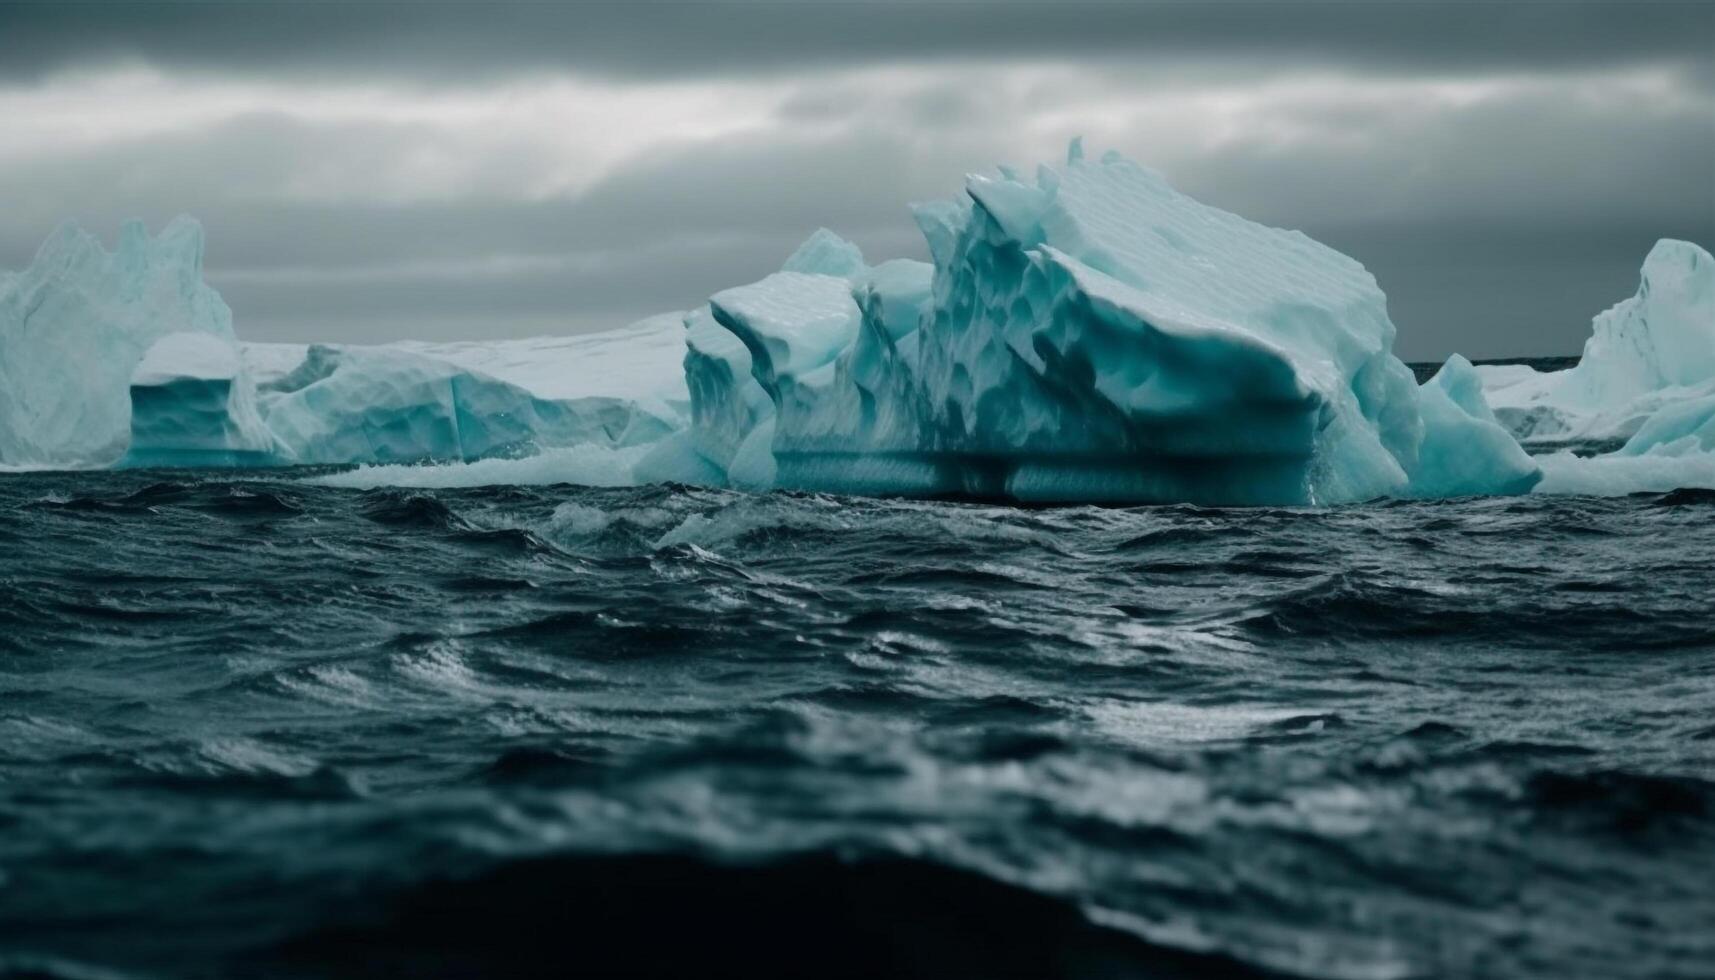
(372, 171)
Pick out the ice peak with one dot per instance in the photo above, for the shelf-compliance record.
(1681, 266)
(940, 221)
(827, 254)
(181, 243)
(1015, 206)
(67, 247)
(133, 236)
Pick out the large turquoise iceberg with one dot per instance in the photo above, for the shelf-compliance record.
(1086, 335)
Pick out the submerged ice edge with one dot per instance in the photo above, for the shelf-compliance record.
(1085, 335)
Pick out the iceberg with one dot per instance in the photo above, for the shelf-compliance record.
(1644, 389)
(76, 323)
(128, 358)
(1465, 450)
(1648, 353)
(727, 403)
(1090, 335)
(727, 409)
(1086, 334)
(732, 409)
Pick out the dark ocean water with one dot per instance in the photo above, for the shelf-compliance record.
(257, 727)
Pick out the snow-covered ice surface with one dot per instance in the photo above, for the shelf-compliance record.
(638, 363)
(188, 356)
(420, 402)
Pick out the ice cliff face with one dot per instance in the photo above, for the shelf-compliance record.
(76, 323)
(1087, 335)
(193, 404)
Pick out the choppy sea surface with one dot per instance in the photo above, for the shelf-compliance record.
(254, 726)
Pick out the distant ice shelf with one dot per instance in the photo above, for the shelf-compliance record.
(1084, 334)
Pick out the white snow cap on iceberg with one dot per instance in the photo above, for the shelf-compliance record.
(193, 356)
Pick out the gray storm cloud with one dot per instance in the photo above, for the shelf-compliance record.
(374, 171)
(652, 38)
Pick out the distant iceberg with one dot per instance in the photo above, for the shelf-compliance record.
(1646, 383)
(1087, 334)
(128, 358)
(1651, 351)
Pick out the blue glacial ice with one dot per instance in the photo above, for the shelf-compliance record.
(193, 404)
(1465, 449)
(1084, 334)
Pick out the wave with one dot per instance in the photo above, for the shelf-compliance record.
(666, 915)
(263, 726)
(1628, 804)
(586, 465)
